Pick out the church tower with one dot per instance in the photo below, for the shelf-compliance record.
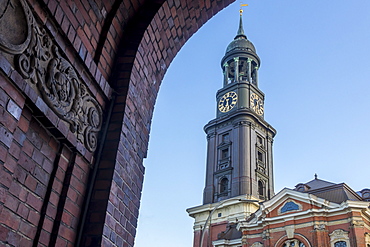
(239, 170)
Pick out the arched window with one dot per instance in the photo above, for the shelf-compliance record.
(339, 238)
(340, 244)
(293, 243)
(261, 189)
(224, 186)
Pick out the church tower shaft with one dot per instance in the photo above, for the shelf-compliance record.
(239, 150)
(239, 169)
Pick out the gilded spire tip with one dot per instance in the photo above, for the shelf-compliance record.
(241, 30)
(241, 8)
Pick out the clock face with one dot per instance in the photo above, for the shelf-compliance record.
(256, 104)
(227, 102)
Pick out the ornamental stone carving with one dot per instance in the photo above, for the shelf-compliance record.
(367, 239)
(319, 227)
(289, 231)
(337, 236)
(357, 223)
(15, 31)
(38, 60)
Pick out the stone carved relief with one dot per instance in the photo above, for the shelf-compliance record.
(357, 223)
(367, 239)
(319, 227)
(337, 236)
(290, 231)
(39, 62)
(15, 33)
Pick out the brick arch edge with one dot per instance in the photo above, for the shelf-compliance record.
(140, 65)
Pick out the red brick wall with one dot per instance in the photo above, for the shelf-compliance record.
(53, 190)
(42, 183)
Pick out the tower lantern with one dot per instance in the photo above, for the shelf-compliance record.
(240, 62)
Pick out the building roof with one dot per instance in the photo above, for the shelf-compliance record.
(337, 193)
(318, 183)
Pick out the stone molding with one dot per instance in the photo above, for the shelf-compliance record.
(367, 238)
(319, 227)
(339, 235)
(290, 210)
(40, 63)
(357, 223)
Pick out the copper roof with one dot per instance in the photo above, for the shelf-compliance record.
(337, 193)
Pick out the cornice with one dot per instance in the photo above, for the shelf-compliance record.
(241, 115)
(259, 220)
(226, 203)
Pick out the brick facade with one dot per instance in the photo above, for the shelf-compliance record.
(73, 175)
(315, 222)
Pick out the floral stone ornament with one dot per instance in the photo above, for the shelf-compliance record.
(40, 63)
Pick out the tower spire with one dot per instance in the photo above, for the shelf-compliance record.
(241, 30)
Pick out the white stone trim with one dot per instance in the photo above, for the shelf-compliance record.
(227, 243)
(290, 211)
(367, 238)
(339, 235)
(280, 240)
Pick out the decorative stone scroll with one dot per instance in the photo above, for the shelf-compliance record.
(40, 63)
(339, 235)
(319, 227)
(15, 31)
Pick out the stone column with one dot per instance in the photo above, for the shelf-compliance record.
(270, 167)
(249, 76)
(255, 79)
(236, 73)
(244, 157)
(210, 169)
(226, 74)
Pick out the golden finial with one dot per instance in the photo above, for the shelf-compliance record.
(241, 9)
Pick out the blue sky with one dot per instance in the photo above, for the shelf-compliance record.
(315, 73)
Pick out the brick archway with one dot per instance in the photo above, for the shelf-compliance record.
(75, 194)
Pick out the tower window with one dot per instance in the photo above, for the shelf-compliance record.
(224, 153)
(340, 244)
(226, 137)
(224, 186)
(261, 189)
(260, 156)
(260, 141)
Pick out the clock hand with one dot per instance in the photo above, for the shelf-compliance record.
(229, 100)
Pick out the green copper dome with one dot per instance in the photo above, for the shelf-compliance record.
(240, 44)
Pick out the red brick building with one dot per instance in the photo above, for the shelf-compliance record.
(78, 83)
(317, 213)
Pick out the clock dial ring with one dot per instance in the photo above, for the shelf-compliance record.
(227, 101)
(256, 104)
